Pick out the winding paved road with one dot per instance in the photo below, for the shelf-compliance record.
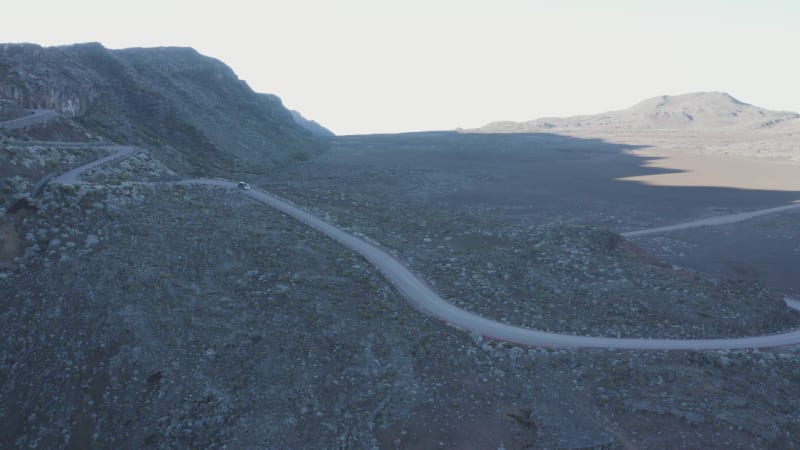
(423, 298)
(72, 176)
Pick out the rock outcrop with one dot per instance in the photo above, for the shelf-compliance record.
(192, 110)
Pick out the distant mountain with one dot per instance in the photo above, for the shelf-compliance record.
(315, 128)
(190, 110)
(695, 110)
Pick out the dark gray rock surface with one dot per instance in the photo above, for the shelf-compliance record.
(312, 126)
(142, 315)
(193, 112)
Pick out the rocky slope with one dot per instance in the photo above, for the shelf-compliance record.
(191, 110)
(10, 110)
(312, 126)
(158, 316)
(700, 110)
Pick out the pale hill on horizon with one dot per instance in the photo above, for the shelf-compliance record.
(698, 110)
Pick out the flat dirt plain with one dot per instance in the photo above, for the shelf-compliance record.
(766, 160)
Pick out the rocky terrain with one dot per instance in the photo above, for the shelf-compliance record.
(145, 314)
(312, 126)
(194, 314)
(10, 110)
(192, 111)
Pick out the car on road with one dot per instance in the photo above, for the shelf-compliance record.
(243, 185)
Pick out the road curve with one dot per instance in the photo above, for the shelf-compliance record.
(72, 176)
(36, 116)
(716, 220)
(424, 299)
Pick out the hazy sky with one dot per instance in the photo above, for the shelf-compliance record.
(359, 66)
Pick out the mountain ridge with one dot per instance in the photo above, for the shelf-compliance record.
(190, 109)
(693, 110)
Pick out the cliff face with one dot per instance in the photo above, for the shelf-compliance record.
(191, 110)
(39, 78)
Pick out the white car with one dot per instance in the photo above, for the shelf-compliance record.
(243, 185)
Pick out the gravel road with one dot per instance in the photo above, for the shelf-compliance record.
(424, 299)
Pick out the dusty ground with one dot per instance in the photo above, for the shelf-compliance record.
(146, 316)
(737, 172)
